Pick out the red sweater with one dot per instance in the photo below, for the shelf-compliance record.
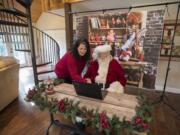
(70, 68)
(115, 72)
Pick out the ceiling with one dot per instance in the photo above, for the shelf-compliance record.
(39, 6)
(56, 6)
(107, 4)
(87, 5)
(36, 9)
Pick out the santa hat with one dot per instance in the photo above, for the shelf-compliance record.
(100, 49)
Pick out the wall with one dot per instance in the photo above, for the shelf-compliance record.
(170, 15)
(105, 4)
(173, 84)
(152, 41)
(59, 36)
(54, 26)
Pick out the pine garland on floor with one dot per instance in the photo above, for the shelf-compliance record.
(95, 118)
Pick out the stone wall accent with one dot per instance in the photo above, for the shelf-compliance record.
(153, 37)
(82, 27)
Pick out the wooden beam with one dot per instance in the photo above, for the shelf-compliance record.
(36, 10)
(51, 4)
(68, 25)
(45, 5)
(74, 1)
(56, 4)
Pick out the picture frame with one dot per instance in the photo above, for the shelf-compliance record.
(168, 32)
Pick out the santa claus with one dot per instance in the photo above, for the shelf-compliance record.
(106, 70)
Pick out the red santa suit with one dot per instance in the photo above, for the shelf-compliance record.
(107, 71)
(70, 68)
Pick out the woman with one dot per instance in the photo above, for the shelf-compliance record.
(71, 65)
(104, 69)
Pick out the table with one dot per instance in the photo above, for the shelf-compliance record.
(134, 72)
(132, 63)
(121, 105)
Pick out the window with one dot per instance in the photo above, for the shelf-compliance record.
(3, 49)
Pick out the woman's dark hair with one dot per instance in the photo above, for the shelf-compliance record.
(76, 45)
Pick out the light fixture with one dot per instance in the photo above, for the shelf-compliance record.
(129, 11)
(167, 9)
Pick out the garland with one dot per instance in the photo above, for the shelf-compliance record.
(94, 118)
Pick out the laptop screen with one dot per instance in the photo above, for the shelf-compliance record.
(92, 90)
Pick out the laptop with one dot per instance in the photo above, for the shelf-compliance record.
(92, 90)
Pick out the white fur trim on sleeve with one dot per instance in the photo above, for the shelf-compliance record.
(116, 87)
(95, 54)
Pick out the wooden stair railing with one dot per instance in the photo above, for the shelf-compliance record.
(14, 27)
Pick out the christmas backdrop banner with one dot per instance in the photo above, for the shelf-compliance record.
(135, 38)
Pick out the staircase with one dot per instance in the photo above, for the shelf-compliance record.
(16, 28)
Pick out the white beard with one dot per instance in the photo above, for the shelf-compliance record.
(103, 70)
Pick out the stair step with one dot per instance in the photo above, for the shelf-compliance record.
(14, 33)
(13, 23)
(45, 69)
(21, 50)
(43, 64)
(44, 72)
(14, 12)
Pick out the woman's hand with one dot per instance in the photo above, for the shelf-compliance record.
(88, 80)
